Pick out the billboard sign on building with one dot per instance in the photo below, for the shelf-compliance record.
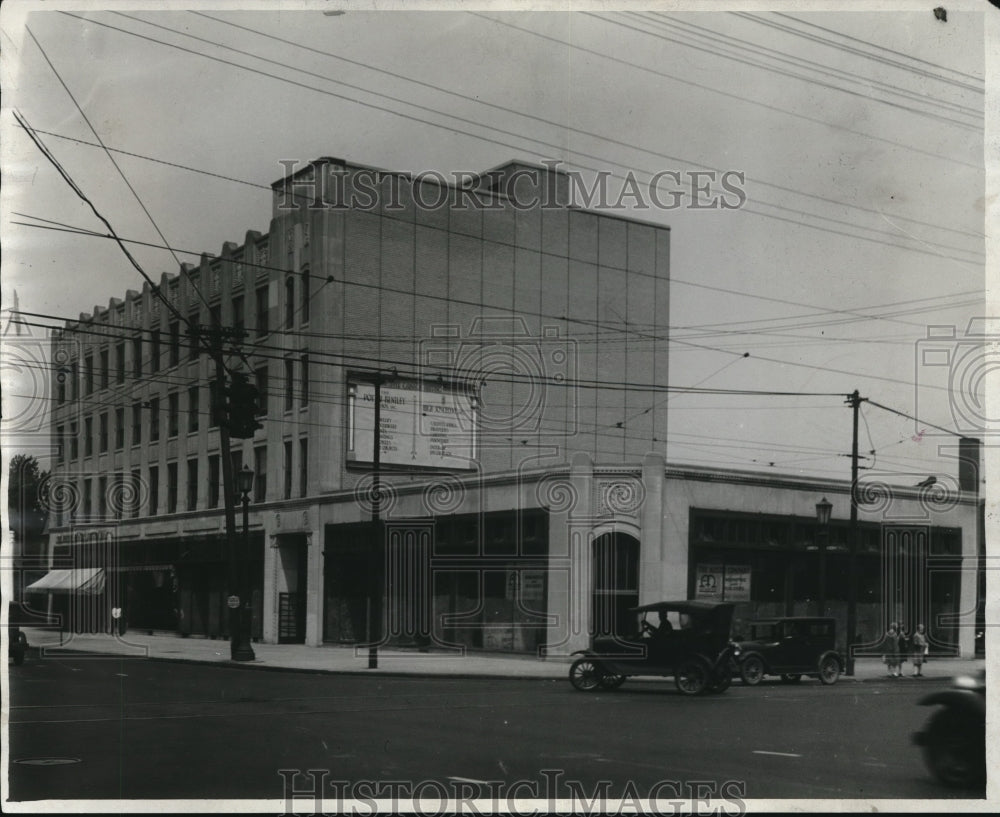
(423, 424)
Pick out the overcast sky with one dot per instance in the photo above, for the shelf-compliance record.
(860, 135)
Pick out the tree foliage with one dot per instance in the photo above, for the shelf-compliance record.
(25, 489)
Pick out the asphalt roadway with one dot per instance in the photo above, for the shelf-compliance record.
(109, 728)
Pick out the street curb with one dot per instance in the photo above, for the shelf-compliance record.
(268, 667)
(395, 673)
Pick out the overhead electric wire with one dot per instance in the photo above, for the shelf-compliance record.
(508, 110)
(112, 234)
(611, 328)
(861, 53)
(561, 146)
(671, 23)
(108, 153)
(709, 348)
(582, 429)
(819, 309)
(468, 121)
(916, 419)
(404, 366)
(830, 86)
(736, 97)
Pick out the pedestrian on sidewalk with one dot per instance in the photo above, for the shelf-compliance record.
(890, 650)
(919, 648)
(904, 645)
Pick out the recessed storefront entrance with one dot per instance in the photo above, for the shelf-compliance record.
(615, 572)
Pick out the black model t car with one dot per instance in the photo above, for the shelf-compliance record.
(686, 640)
(790, 647)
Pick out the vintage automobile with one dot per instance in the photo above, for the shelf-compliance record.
(790, 647)
(954, 739)
(686, 640)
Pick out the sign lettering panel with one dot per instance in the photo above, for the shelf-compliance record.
(423, 425)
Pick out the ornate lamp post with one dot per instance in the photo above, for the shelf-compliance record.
(823, 510)
(240, 646)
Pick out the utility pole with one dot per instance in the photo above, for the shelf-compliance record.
(239, 647)
(375, 604)
(854, 400)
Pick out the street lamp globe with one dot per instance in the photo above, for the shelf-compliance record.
(244, 481)
(823, 509)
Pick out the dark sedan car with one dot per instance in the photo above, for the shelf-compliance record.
(790, 647)
(686, 640)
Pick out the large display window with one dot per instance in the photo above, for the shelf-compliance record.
(789, 566)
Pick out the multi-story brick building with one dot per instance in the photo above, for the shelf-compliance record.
(515, 339)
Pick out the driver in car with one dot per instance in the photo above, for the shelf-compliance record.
(663, 628)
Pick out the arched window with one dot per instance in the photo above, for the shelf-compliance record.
(615, 576)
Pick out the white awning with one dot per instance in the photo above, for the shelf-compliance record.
(84, 581)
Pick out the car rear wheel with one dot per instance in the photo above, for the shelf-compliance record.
(752, 671)
(585, 675)
(829, 670)
(790, 678)
(692, 677)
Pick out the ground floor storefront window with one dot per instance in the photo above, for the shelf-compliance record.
(786, 566)
(162, 585)
(475, 580)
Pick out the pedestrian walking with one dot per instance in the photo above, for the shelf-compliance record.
(890, 650)
(919, 648)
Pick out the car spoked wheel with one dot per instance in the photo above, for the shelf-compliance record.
(610, 681)
(954, 750)
(585, 675)
(752, 671)
(829, 670)
(692, 677)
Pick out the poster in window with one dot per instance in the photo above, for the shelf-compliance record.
(737, 583)
(708, 582)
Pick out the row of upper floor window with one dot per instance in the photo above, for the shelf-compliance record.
(147, 414)
(144, 355)
(137, 493)
(190, 287)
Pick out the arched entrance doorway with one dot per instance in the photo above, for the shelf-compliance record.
(615, 572)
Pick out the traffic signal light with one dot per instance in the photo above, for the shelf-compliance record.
(242, 408)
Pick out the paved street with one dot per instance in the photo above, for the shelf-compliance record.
(148, 729)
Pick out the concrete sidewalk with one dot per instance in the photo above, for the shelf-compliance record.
(45, 643)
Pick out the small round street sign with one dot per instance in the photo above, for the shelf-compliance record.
(233, 602)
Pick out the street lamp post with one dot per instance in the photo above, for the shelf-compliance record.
(241, 649)
(823, 510)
